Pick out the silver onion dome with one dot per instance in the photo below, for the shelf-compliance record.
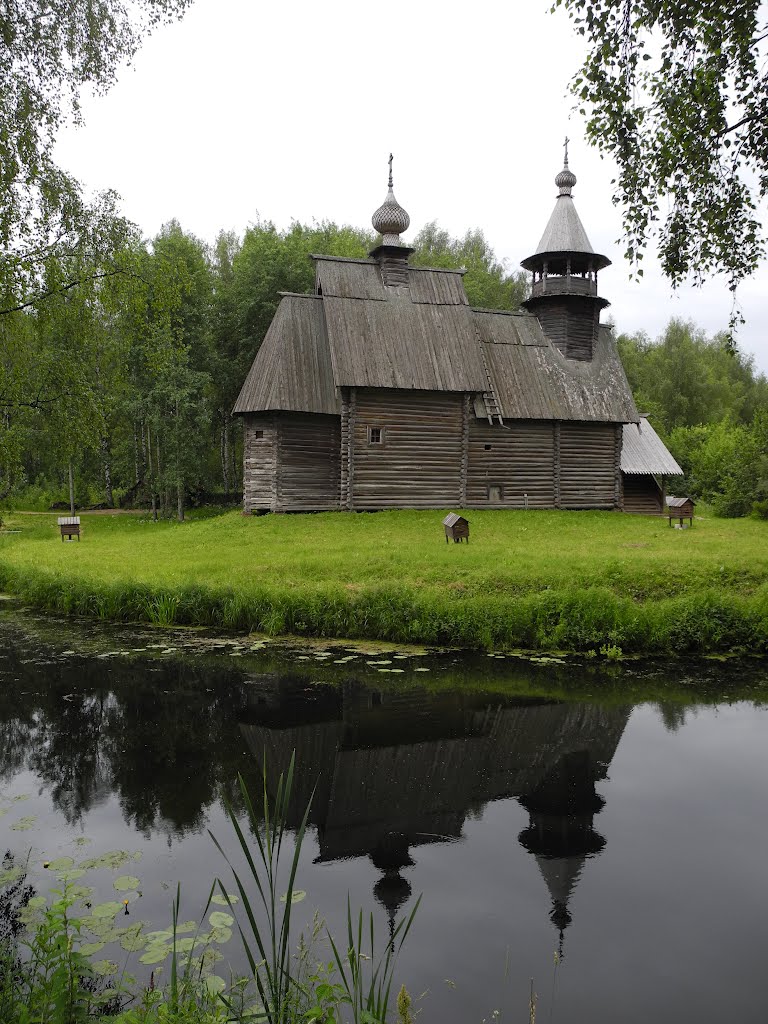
(390, 220)
(566, 179)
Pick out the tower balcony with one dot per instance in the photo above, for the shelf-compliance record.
(571, 285)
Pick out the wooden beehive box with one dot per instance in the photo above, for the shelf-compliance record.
(456, 528)
(69, 526)
(680, 508)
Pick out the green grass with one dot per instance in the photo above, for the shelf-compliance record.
(537, 580)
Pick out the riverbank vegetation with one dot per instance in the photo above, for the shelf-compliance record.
(49, 973)
(589, 581)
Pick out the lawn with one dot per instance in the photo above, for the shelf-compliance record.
(567, 580)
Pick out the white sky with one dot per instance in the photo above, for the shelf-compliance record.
(289, 111)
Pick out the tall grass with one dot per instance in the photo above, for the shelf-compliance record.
(362, 992)
(564, 581)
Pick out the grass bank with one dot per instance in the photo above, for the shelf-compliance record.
(533, 580)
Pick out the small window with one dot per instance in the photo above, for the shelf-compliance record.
(258, 434)
(375, 435)
(488, 447)
(495, 493)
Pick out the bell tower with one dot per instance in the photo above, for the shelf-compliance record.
(564, 268)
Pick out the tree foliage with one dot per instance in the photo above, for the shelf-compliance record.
(488, 281)
(676, 93)
(50, 51)
(686, 379)
(711, 407)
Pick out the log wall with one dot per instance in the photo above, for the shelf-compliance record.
(309, 464)
(259, 462)
(418, 464)
(518, 457)
(294, 466)
(642, 495)
(589, 456)
(570, 322)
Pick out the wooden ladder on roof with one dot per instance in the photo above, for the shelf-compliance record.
(489, 395)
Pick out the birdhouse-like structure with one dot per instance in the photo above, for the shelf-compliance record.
(680, 509)
(456, 528)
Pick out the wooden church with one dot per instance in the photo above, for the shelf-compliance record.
(386, 389)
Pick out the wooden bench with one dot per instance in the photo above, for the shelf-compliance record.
(69, 526)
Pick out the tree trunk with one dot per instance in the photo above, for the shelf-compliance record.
(71, 489)
(137, 477)
(106, 459)
(147, 442)
(180, 501)
(225, 454)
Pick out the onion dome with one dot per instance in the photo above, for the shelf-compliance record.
(390, 220)
(566, 179)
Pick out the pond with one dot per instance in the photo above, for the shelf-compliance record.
(601, 830)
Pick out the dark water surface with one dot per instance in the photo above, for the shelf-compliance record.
(619, 817)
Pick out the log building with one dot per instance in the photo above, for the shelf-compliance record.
(386, 389)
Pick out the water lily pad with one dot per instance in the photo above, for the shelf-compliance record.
(186, 927)
(21, 796)
(220, 934)
(125, 883)
(132, 942)
(82, 840)
(224, 901)
(421, 670)
(214, 984)
(60, 864)
(81, 892)
(105, 967)
(384, 661)
(36, 902)
(296, 896)
(159, 938)
(113, 860)
(154, 954)
(25, 824)
(219, 919)
(70, 875)
(10, 875)
(89, 948)
(107, 910)
(4, 810)
(186, 945)
(209, 957)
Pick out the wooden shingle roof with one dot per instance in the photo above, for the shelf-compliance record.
(292, 369)
(423, 335)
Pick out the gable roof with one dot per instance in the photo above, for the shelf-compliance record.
(643, 451)
(423, 335)
(292, 369)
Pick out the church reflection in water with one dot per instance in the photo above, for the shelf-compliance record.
(396, 770)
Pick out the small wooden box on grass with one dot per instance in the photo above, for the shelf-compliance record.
(456, 528)
(679, 508)
(69, 526)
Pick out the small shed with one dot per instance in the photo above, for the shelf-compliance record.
(69, 526)
(645, 465)
(680, 508)
(456, 528)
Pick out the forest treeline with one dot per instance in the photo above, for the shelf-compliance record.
(710, 406)
(117, 383)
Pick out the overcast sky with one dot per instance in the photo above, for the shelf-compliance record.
(289, 110)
